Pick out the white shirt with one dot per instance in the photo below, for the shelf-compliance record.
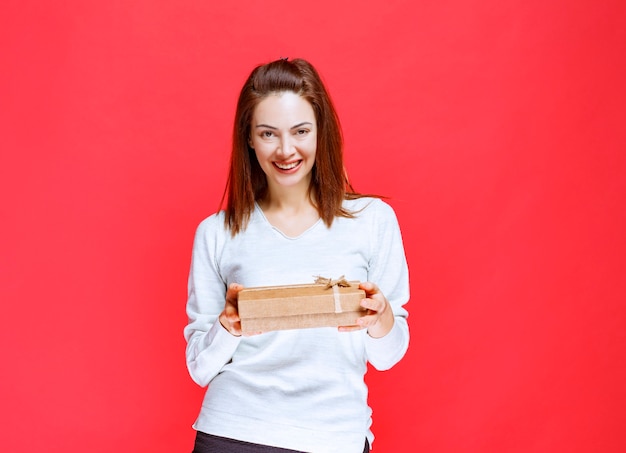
(297, 389)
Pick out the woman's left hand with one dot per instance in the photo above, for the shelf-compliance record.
(379, 319)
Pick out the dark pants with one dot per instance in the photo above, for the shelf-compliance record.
(207, 443)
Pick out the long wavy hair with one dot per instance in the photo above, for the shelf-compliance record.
(247, 182)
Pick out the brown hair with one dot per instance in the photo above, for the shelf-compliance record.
(247, 182)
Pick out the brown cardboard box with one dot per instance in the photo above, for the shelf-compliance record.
(263, 309)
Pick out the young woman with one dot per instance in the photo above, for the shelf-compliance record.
(290, 215)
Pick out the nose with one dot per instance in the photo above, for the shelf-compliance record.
(285, 147)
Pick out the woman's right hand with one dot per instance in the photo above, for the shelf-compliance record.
(229, 318)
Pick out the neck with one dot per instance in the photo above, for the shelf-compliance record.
(293, 199)
(290, 211)
(287, 200)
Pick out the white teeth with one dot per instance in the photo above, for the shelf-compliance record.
(287, 166)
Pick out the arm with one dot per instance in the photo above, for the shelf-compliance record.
(210, 345)
(388, 332)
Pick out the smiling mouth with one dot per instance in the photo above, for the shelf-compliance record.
(289, 166)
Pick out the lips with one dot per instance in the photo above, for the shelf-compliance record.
(287, 165)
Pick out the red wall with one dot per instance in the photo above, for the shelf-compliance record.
(495, 127)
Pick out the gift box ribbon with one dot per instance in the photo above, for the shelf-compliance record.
(335, 285)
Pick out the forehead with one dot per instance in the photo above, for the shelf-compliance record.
(283, 108)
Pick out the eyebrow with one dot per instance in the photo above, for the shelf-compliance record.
(292, 127)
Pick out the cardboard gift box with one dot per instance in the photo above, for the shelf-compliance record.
(328, 303)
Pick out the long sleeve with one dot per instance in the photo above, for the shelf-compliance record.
(388, 269)
(286, 384)
(209, 345)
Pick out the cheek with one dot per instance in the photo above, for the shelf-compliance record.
(261, 150)
(314, 144)
(311, 146)
(257, 155)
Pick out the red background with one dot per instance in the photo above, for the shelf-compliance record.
(495, 127)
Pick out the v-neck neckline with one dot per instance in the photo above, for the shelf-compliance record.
(279, 231)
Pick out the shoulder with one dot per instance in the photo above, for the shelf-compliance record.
(212, 227)
(213, 222)
(370, 207)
